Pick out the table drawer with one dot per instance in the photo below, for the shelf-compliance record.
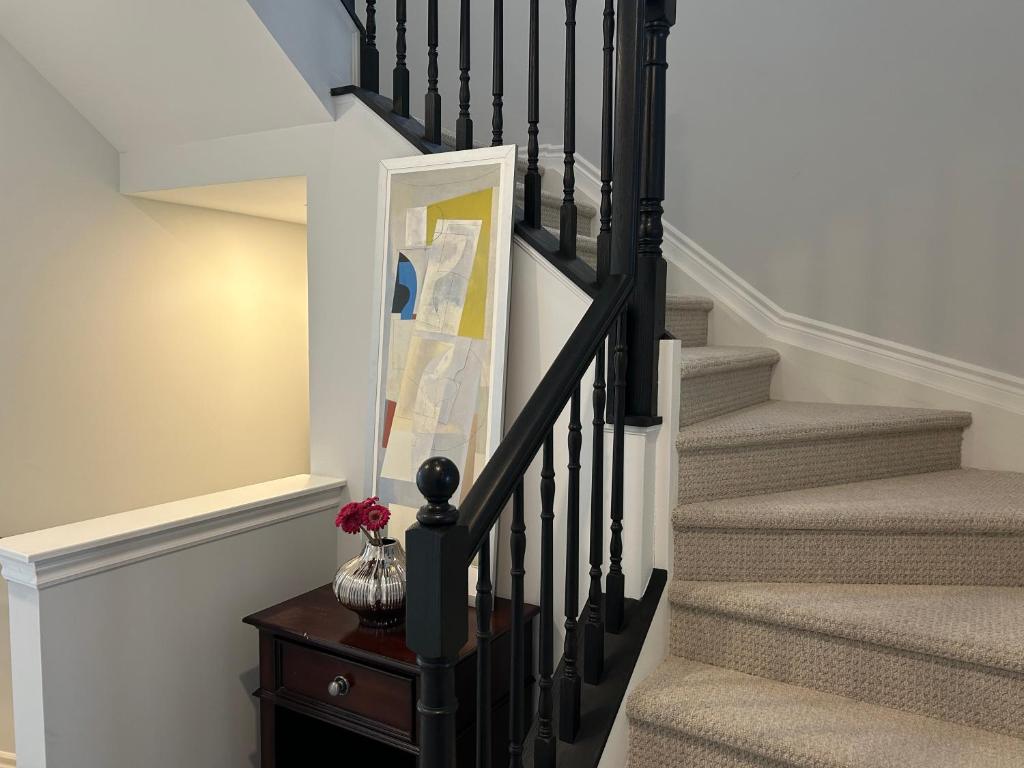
(385, 698)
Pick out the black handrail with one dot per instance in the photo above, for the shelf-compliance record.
(484, 502)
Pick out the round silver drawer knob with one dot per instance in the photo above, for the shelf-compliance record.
(339, 687)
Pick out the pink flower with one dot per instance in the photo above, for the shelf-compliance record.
(351, 517)
(377, 517)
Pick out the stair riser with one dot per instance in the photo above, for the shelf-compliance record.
(708, 474)
(972, 695)
(705, 397)
(654, 747)
(690, 326)
(848, 557)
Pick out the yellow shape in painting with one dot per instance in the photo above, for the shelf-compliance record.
(475, 206)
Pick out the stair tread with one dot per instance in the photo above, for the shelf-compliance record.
(802, 727)
(694, 303)
(971, 624)
(583, 209)
(704, 361)
(955, 501)
(785, 421)
(584, 243)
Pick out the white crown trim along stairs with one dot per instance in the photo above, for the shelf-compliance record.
(975, 382)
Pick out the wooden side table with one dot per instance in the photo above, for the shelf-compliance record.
(330, 689)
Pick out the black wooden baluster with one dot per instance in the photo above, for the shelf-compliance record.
(568, 215)
(517, 705)
(498, 74)
(369, 57)
(531, 192)
(464, 125)
(432, 105)
(569, 694)
(604, 240)
(593, 630)
(544, 745)
(626, 149)
(400, 77)
(484, 604)
(436, 618)
(616, 582)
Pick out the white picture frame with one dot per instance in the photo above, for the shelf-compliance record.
(406, 185)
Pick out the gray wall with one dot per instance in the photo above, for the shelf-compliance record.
(859, 162)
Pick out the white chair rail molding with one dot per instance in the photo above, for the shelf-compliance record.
(123, 622)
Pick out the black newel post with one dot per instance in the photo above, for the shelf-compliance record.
(369, 57)
(436, 611)
(647, 309)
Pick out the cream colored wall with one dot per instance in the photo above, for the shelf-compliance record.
(149, 351)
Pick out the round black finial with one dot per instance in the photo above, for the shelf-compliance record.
(438, 480)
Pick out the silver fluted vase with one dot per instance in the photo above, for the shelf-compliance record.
(373, 584)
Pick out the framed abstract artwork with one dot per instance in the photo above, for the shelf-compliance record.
(444, 245)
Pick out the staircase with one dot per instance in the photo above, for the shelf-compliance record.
(844, 595)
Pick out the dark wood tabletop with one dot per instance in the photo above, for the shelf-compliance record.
(316, 618)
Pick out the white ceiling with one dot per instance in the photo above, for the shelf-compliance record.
(282, 199)
(157, 72)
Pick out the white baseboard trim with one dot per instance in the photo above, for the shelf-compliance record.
(973, 382)
(7, 760)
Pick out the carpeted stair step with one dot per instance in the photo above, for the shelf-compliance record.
(953, 653)
(586, 247)
(551, 210)
(689, 715)
(686, 318)
(779, 446)
(718, 380)
(958, 527)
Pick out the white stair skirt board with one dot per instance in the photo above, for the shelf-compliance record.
(152, 600)
(659, 523)
(974, 382)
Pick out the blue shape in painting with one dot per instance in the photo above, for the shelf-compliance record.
(404, 301)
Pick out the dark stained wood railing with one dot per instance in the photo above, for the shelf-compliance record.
(617, 339)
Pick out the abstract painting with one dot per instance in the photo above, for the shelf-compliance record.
(445, 240)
